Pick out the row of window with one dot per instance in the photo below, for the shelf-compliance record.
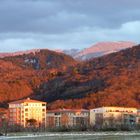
(128, 111)
(119, 111)
(36, 109)
(28, 104)
(58, 113)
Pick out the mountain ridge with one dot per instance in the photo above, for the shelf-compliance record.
(103, 48)
(41, 59)
(96, 50)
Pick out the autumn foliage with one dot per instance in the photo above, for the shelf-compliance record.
(111, 80)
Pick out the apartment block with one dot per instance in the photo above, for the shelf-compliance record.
(138, 117)
(67, 117)
(109, 116)
(27, 112)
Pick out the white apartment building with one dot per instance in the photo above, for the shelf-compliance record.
(22, 112)
(106, 116)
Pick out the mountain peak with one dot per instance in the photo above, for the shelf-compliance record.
(103, 48)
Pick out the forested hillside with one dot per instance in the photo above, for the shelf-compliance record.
(113, 80)
(21, 75)
(43, 59)
(110, 80)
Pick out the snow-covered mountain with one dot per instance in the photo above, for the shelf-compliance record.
(102, 48)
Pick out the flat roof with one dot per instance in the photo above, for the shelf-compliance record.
(67, 110)
(115, 107)
(27, 100)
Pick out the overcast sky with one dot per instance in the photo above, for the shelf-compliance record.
(65, 24)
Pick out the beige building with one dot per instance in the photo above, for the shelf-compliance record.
(27, 112)
(109, 116)
(138, 117)
(67, 117)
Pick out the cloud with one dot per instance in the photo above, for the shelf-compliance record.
(81, 38)
(55, 16)
(27, 24)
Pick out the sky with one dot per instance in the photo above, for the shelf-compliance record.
(66, 24)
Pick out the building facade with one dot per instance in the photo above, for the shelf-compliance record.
(3, 116)
(110, 116)
(27, 112)
(138, 117)
(67, 118)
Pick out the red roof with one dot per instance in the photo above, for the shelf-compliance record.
(28, 100)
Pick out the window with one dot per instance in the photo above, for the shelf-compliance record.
(14, 110)
(43, 119)
(57, 113)
(43, 110)
(11, 110)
